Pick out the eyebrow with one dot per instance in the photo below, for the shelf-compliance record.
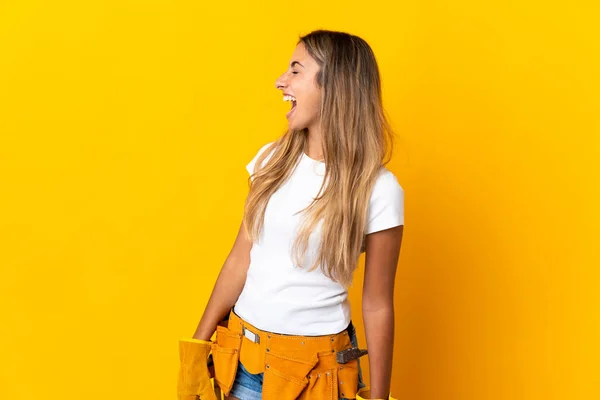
(295, 62)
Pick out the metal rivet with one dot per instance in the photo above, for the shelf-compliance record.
(302, 342)
(333, 351)
(327, 374)
(342, 367)
(269, 336)
(267, 365)
(268, 349)
(332, 339)
(341, 383)
(343, 394)
(318, 375)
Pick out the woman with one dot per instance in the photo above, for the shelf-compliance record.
(319, 197)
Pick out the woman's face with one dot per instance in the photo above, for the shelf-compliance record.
(299, 81)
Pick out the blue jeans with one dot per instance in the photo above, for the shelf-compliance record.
(248, 386)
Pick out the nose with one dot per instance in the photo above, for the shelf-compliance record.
(280, 82)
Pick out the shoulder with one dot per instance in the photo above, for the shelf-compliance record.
(262, 149)
(386, 183)
(386, 203)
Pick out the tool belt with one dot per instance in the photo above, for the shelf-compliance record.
(294, 367)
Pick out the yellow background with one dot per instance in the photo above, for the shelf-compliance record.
(125, 127)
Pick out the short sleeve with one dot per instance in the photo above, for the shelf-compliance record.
(250, 165)
(386, 204)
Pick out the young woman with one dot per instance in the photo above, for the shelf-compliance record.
(319, 197)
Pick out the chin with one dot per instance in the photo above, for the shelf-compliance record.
(293, 125)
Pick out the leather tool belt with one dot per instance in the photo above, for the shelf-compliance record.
(294, 367)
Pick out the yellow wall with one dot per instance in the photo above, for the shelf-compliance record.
(125, 127)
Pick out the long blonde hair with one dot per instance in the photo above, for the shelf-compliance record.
(357, 142)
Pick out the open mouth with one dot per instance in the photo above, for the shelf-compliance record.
(291, 110)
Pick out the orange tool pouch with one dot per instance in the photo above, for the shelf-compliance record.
(294, 367)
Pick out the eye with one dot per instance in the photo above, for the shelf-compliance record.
(294, 72)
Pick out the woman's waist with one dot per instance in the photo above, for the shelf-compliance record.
(286, 354)
(299, 316)
(297, 288)
(287, 343)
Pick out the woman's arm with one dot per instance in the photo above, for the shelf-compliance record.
(382, 250)
(228, 286)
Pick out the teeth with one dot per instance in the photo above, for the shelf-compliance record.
(289, 98)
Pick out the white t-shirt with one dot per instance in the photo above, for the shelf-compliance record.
(282, 298)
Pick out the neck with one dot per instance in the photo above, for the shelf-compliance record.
(313, 145)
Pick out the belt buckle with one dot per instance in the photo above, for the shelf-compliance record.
(253, 337)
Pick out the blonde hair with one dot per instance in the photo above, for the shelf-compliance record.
(357, 142)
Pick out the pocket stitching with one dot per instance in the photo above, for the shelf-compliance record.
(312, 361)
(232, 354)
(280, 374)
(353, 376)
(226, 351)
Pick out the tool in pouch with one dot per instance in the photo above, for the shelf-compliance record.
(349, 354)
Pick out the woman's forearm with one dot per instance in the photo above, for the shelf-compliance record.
(225, 293)
(379, 331)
